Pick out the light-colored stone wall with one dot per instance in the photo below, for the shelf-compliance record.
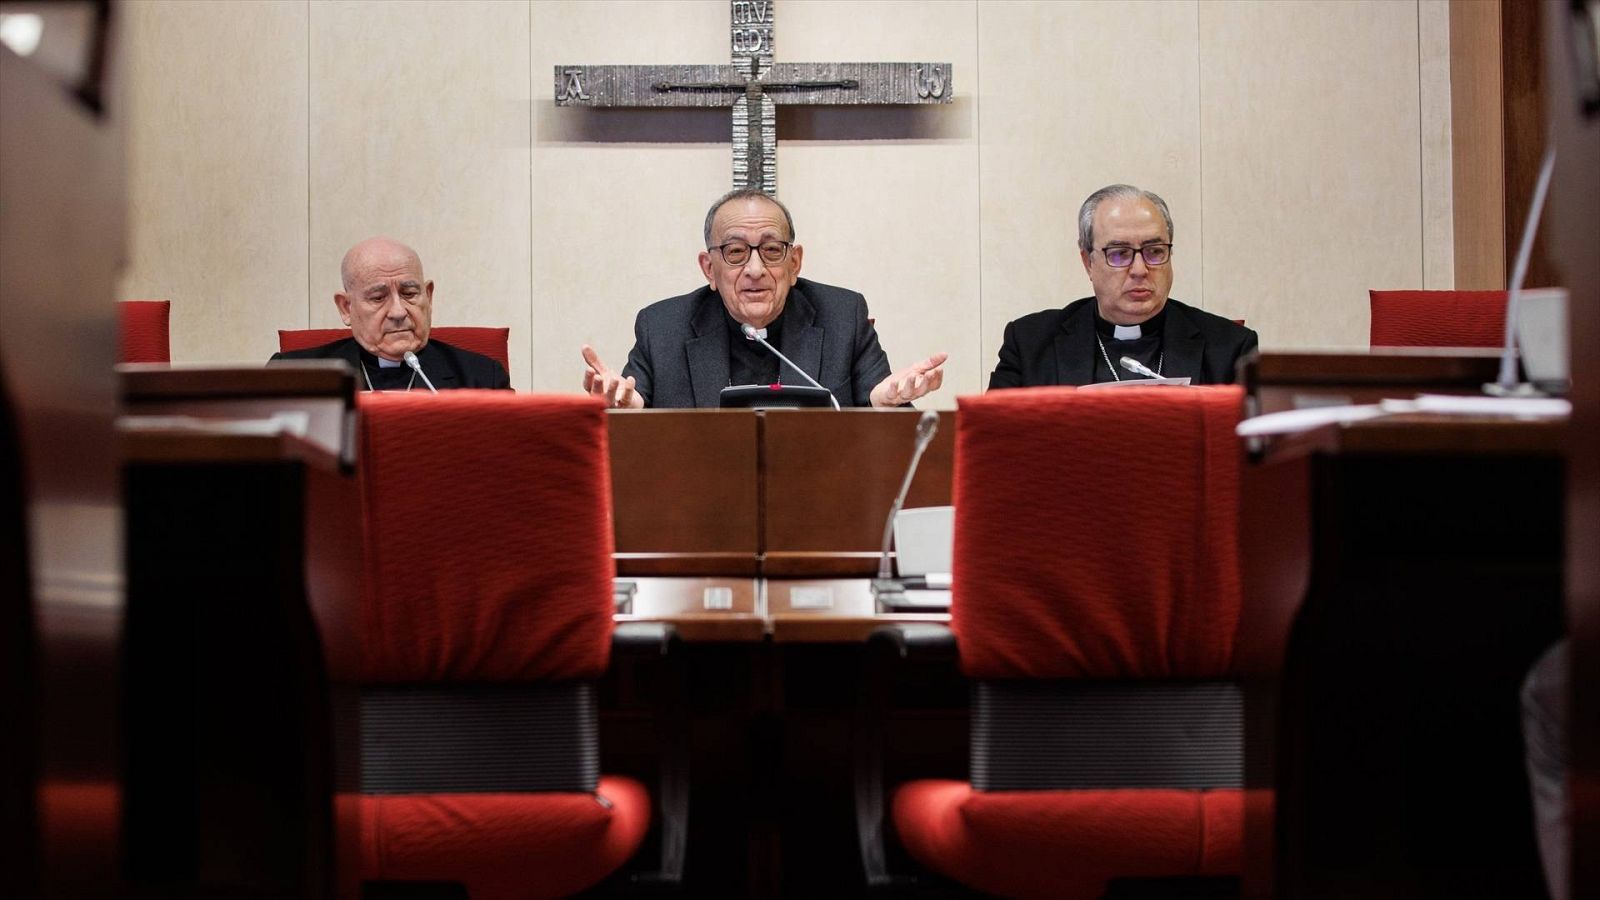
(1303, 147)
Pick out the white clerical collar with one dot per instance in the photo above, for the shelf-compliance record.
(389, 363)
(1126, 332)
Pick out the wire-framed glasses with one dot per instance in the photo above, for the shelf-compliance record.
(737, 253)
(1120, 256)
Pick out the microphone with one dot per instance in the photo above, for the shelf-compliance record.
(927, 426)
(411, 360)
(760, 336)
(1506, 384)
(1137, 368)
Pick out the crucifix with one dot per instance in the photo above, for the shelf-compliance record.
(753, 85)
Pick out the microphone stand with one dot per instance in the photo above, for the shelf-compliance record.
(885, 584)
(753, 334)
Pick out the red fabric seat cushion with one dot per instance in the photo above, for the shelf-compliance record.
(487, 553)
(504, 846)
(1068, 844)
(144, 334)
(490, 342)
(1438, 318)
(1096, 533)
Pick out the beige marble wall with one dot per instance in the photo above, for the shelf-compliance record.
(1310, 149)
(1303, 147)
(1065, 111)
(218, 172)
(420, 120)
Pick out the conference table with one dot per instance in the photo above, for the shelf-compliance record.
(1397, 573)
(1402, 574)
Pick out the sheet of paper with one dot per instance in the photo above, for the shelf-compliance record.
(1294, 421)
(1138, 382)
(1521, 407)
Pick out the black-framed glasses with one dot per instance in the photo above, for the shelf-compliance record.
(737, 253)
(1121, 257)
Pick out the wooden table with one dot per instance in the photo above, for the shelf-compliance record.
(238, 491)
(722, 515)
(1401, 576)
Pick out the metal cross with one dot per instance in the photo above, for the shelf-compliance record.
(752, 85)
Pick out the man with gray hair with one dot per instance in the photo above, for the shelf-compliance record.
(1125, 243)
(687, 349)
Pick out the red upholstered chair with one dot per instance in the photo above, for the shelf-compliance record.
(144, 336)
(491, 342)
(1095, 598)
(1438, 318)
(485, 617)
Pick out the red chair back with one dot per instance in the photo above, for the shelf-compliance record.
(491, 342)
(487, 538)
(1438, 318)
(1096, 533)
(144, 333)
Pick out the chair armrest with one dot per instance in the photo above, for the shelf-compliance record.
(643, 640)
(913, 641)
(659, 641)
(888, 647)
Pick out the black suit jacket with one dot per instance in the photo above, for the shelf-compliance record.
(1057, 346)
(680, 346)
(445, 365)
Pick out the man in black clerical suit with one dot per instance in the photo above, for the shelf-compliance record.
(688, 348)
(1125, 242)
(389, 307)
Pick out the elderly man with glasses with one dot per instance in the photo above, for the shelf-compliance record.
(687, 349)
(1125, 242)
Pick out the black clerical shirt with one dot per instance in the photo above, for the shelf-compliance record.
(391, 378)
(1146, 348)
(748, 361)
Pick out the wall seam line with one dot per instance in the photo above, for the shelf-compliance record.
(308, 164)
(977, 102)
(1200, 153)
(1422, 169)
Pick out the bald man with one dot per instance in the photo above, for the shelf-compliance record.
(388, 305)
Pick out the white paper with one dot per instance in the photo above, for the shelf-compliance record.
(1138, 382)
(1294, 421)
(1520, 407)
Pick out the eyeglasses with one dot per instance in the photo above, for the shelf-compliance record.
(737, 253)
(1120, 257)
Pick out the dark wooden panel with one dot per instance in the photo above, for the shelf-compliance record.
(832, 476)
(685, 482)
(1280, 381)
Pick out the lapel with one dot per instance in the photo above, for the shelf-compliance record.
(707, 351)
(802, 337)
(1075, 347)
(438, 369)
(1183, 344)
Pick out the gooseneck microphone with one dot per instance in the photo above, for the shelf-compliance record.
(759, 336)
(927, 426)
(411, 360)
(1138, 368)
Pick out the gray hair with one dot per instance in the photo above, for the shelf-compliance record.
(746, 193)
(1110, 192)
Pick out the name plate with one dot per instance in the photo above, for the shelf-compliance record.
(810, 597)
(717, 597)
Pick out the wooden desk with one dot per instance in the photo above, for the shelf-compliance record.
(1402, 574)
(239, 497)
(711, 498)
(1280, 381)
(228, 743)
(723, 520)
